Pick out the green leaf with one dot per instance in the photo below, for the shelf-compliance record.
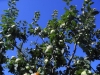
(95, 13)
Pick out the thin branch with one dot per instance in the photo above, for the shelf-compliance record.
(20, 50)
(43, 40)
(93, 69)
(20, 47)
(37, 39)
(68, 65)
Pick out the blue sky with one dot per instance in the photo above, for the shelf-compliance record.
(46, 7)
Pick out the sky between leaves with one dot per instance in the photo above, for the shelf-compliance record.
(28, 7)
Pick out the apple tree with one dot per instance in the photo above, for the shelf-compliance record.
(45, 58)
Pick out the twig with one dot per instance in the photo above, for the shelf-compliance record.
(19, 49)
(93, 69)
(43, 40)
(68, 65)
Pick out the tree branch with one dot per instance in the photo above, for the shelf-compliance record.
(19, 49)
(68, 65)
(93, 69)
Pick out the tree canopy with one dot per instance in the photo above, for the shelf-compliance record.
(53, 52)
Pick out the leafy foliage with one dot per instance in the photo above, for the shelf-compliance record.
(50, 55)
